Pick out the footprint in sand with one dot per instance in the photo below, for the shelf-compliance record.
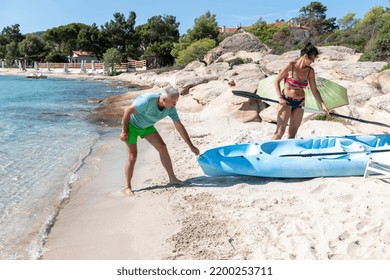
(362, 224)
(120, 193)
(353, 247)
(319, 189)
(344, 198)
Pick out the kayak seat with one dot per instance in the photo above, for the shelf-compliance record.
(350, 146)
(277, 148)
(372, 141)
(239, 150)
(369, 140)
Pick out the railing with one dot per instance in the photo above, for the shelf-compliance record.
(137, 64)
(131, 65)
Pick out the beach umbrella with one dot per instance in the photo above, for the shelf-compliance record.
(2, 64)
(333, 94)
(35, 65)
(66, 68)
(93, 65)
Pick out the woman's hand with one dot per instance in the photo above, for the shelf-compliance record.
(282, 101)
(325, 109)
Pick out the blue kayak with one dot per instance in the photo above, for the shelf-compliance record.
(296, 158)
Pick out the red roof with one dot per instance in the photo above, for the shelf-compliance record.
(231, 29)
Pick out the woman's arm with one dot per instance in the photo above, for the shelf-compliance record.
(282, 74)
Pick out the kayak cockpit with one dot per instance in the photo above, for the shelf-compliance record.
(311, 146)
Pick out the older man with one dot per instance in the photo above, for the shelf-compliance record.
(139, 119)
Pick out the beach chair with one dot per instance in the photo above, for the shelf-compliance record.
(378, 164)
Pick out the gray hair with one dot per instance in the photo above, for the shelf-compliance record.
(169, 92)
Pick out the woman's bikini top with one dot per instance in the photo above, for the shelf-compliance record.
(294, 83)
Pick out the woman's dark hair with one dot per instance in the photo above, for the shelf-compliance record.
(310, 50)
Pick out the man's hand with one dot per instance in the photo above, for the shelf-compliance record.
(195, 150)
(124, 137)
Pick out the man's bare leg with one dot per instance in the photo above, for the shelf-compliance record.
(157, 142)
(129, 167)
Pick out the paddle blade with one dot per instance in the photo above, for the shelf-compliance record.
(332, 93)
(266, 89)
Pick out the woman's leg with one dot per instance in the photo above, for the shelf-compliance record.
(284, 113)
(295, 122)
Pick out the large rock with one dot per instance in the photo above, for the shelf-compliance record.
(244, 77)
(352, 71)
(205, 93)
(238, 42)
(380, 80)
(338, 53)
(380, 103)
(186, 79)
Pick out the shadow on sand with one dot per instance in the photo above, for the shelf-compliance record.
(220, 182)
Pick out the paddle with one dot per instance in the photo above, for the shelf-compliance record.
(255, 96)
(335, 153)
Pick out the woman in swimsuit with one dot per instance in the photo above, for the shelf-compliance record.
(296, 75)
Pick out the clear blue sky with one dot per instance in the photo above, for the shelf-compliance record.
(40, 15)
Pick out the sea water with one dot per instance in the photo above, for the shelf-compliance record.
(44, 137)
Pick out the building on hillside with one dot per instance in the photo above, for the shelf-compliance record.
(223, 29)
(78, 56)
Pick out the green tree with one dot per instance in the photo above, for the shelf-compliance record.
(120, 34)
(3, 44)
(369, 27)
(381, 45)
(111, 57)
(195, 51)
(265, 32)
(313, 16)
(205, 26)
(159, 54)
(157, 38)
(63, 39)
(56, 57)
(372, 16)
(184, 43)
(348, 22)
(90, 39)
(12, 34)
(12, 53)
(380, 49)
(32, 48)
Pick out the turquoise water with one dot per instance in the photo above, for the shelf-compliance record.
(44, 138)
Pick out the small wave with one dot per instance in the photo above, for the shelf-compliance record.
(36, 251)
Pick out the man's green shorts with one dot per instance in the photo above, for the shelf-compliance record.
(134, 132)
